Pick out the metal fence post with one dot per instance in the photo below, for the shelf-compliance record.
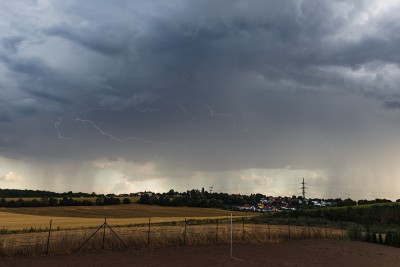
(48, 238)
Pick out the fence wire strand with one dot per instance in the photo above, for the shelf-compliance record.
(35, 238)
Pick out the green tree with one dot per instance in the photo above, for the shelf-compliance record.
(126, 201)
(100, 201)
(3, 202)
(53, 202)
(144, 199)
(164, 200)
(348, 202)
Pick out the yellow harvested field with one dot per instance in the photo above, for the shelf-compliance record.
(76, 217)
(121, 211)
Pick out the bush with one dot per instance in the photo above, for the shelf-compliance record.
(388, 238)
(126, 201)
(380, 239)
(355, 232)
(374, 239)
(368, 235)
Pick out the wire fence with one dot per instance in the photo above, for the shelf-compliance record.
(35, 238)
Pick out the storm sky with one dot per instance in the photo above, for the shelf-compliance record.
(245, 96)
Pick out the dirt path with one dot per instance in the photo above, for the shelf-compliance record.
(288, 253)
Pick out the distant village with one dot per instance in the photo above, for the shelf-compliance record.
(279, 204)
(251, 203)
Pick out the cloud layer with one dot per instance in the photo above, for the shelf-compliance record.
(202, 87)
(11, 177)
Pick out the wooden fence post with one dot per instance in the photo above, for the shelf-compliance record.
(48, 238)
(104, 231)
(243, 227)
(216, 235)
(341, 230)
(184, 234)
(148, 233)
(231, 237)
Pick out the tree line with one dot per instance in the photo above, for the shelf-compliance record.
(24, 193)
(377, 214)
(190, 198)
(197, 198)
(64, 201)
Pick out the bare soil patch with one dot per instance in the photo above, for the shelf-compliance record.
(287, 253)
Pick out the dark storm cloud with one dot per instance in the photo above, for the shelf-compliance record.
(4, 117)
(104, 39)
(32, 66)
(38, 80)
(303, 81)
(11, 44)
(393, 105)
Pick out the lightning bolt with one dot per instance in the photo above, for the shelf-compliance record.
(190, 122)
(123, 140)
(87, 111)
(57, 125)
(213, 114)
